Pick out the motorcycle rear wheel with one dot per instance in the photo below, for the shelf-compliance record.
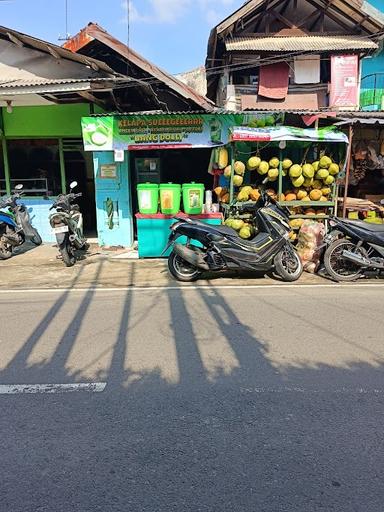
(338, 268)
(288, 265)
(67, 254)
(181, 269)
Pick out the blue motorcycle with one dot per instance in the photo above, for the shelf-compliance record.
(15, 225)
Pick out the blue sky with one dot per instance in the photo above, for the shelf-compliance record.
(171, 33)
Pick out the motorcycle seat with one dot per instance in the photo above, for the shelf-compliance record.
(225, 230)
(222, 229)
(368, 226)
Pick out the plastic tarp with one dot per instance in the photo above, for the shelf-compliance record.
(279, 133)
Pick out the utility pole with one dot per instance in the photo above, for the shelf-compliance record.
(67, 34)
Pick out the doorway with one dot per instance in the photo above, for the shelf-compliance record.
(79, 167)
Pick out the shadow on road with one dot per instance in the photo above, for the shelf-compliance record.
(244, 436)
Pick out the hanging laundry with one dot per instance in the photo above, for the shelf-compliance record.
(274, 80)
(307, 69)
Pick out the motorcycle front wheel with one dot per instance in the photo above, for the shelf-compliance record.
(36, 238)
(339, 268)
(181, 269)
(5, 251)
(288, 265)
(67, 254)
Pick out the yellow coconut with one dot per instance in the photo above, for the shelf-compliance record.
(301, 194)
(239, 168)
(315, 194)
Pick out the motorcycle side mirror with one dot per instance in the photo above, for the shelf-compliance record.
(73, 184)
(19, 187)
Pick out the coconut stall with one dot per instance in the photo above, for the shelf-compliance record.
(299, 167)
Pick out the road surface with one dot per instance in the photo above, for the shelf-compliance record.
(206, 399)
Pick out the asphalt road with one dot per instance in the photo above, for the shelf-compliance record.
(259, 400)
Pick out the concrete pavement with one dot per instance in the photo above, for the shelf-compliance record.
(215, 400)
(39, 268)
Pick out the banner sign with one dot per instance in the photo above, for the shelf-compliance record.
(279, 133)
(344, 81)
(155, 131)
(164, 131)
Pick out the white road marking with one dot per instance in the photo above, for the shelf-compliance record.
(362, 391)
(193, 287)
(16, 389)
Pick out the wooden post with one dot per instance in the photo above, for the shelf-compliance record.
(347, 171)
(231, 192)
(62, 168)
(280, 185)
(6, 165)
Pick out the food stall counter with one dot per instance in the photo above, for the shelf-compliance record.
(153, 231)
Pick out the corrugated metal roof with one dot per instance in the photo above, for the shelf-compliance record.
(95, 31)
(18, 82)
(221, 112)
(18, 86)
(58, 52)
(299, 43)
(368, 120)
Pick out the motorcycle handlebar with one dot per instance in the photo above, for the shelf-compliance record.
(63, 198)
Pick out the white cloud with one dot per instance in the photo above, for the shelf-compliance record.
(160, 11)
(171, 11)
(213, 15)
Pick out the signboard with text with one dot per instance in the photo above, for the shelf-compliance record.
(344, 81)
(147, 132)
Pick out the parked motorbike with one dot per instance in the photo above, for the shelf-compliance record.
(223, 249)
(354, 249)
(15, 225)
(67, 225)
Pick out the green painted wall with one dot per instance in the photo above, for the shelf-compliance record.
(49, 121)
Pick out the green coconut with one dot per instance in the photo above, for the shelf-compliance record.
(263, 167)
(287, 163)
(308, 171)
(325, 162)
(333, 169)
(237, 180)
(322, 174)
(295, 171)
(245, 232)
(253, 163)
(298, 182)
(274, 162)
(329, 180)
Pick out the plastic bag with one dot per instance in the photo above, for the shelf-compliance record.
(372, 158)
(309, 244)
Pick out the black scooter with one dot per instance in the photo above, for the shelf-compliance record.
(15, 225)
(223, 249)
(354, 249)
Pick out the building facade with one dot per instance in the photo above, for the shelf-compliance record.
(300, 54)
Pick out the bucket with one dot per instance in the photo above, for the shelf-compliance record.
(170, 197)
(148, 197)
(193, 198)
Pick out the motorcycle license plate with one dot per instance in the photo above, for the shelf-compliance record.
(60, 229)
